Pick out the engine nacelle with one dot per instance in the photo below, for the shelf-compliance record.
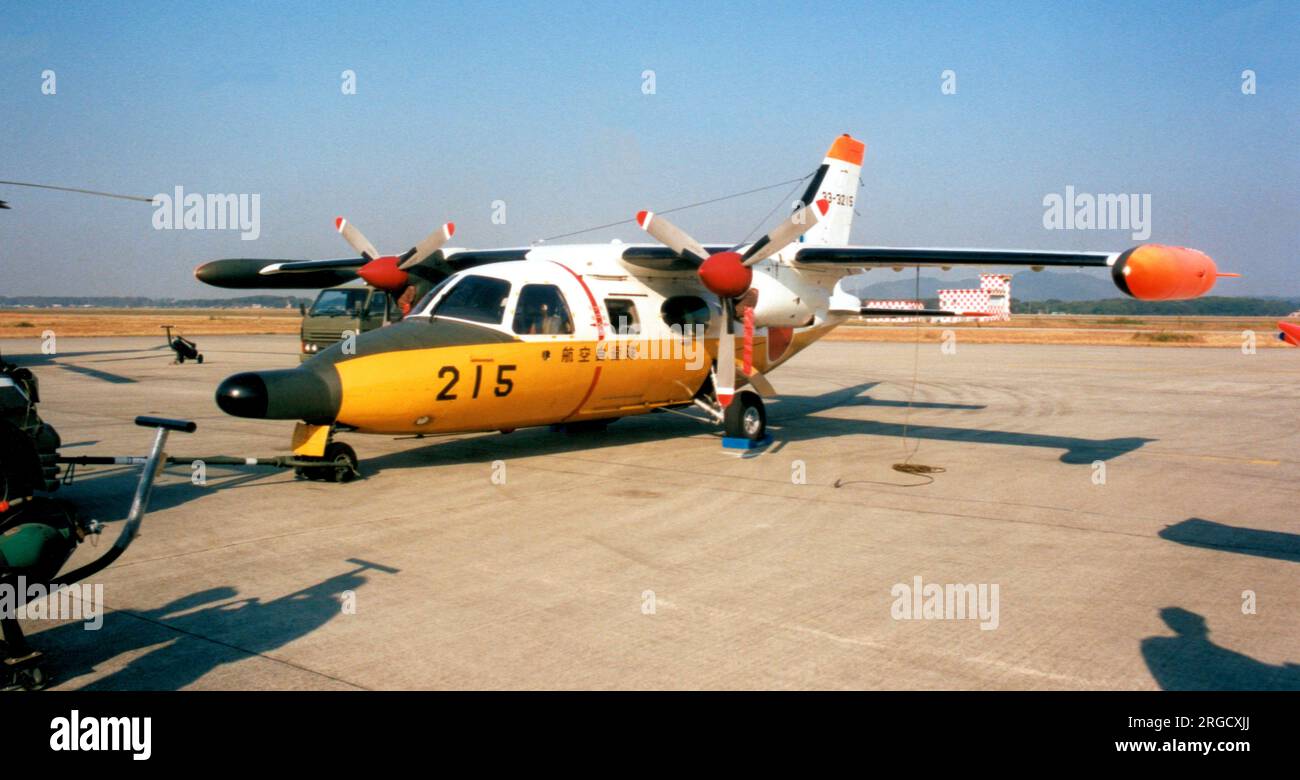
(1154, 272)
(790, 302)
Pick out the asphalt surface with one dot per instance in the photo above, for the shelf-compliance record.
(1135, 509)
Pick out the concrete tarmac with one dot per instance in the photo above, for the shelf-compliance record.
(1128, 514)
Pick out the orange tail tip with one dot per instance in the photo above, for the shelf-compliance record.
(848, 149)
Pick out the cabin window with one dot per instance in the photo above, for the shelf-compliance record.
(378, 304)
(477, 299)
(622, 316)
(541, 310)
(685, 312)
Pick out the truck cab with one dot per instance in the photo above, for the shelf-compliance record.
(354, 307)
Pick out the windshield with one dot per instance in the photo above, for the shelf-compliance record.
(334, 303)
(430, 295)
(477, 299)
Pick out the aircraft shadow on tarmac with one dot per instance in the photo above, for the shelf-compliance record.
(1190, 661)
(106, 495)
(193, 635)
(793, 418)
(1196, 532)
(41, 360)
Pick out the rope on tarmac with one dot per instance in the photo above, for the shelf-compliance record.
(906, 466)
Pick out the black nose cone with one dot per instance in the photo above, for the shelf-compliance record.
(243, 395)
(283, 394)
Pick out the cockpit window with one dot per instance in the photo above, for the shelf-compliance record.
(477, 299)
(541, 310)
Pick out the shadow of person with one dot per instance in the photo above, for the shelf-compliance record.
(194, 635)
(1190, 661)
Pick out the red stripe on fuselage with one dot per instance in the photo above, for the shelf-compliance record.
(600, 336)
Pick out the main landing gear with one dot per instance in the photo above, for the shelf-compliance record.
(745, 417)
(744, 420)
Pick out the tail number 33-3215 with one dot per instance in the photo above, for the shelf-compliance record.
(450, 375)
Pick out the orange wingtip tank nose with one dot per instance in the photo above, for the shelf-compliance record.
(848, 149)
(1290, 333)
(1155, 272)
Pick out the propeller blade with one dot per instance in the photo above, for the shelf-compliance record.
(760, 383)
(671, 236)
(425, 249)
(355, 239)
(780, 237)
(726, 356)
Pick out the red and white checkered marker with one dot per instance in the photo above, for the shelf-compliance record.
(900, 305)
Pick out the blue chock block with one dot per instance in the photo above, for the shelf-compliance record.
(740, 443)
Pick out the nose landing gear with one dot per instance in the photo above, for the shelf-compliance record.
(339, 464)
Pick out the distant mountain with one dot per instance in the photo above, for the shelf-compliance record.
(1025, 286)
(135, 302)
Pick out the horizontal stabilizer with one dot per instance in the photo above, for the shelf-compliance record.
(878, 311)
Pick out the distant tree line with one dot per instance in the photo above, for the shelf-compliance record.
(138, 302)
(1212, 306)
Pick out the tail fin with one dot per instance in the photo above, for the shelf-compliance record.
(836, 181)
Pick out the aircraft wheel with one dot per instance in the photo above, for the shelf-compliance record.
(745, 417)
(200, 359)
(342, 462)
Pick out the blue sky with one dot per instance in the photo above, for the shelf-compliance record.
(540, 105)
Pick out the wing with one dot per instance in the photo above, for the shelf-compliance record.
(929, 257)
(1149, 272)
(250, 273)
(656, 257)
(245, 273)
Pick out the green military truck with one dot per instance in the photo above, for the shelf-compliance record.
(354, 307)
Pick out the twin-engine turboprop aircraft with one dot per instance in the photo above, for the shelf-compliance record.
(584, 334)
